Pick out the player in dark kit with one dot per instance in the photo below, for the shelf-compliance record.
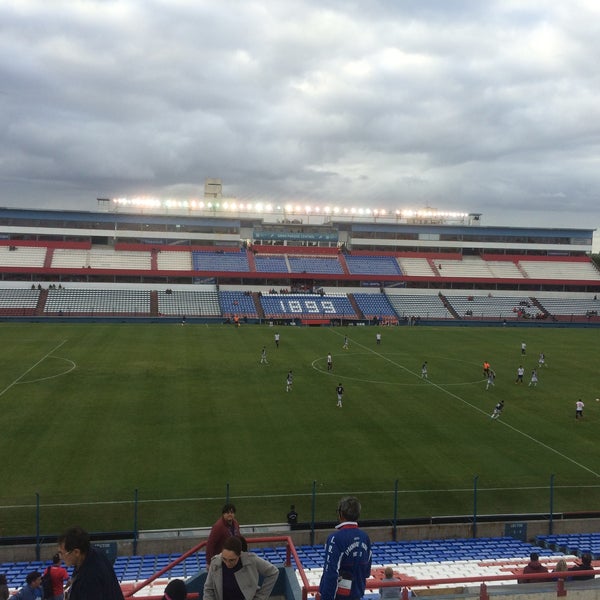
(339, 390)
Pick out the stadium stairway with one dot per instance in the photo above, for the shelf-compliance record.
(449, 306)
(41, 303)
(259, 309)
(154, 303)
(355, 306)
(535, 302)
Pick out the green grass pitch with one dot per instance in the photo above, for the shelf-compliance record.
(186, 414)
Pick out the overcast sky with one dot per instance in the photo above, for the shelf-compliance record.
(480, 106)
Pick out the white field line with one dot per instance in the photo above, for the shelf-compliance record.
(18, 379)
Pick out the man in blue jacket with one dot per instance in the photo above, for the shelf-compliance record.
(347, 556)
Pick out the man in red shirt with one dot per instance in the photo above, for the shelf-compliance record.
(533, 566)
(224, 528)
(58, 575)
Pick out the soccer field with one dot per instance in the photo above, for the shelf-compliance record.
(94, 414)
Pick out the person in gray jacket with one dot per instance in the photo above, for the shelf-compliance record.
(234, 574)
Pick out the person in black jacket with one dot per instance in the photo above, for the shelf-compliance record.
(93, 577)
(585, 565)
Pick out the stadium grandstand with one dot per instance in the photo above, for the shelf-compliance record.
(220, 261)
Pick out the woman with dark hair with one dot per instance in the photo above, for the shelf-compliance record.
(175, 590)
(234, 574)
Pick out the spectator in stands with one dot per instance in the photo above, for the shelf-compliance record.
(3, 587)
(388, 593)
(348, 555)
(292, 516)
(561, 567)
(175, 590)
(234, 574)
(58, 576)
(585, 565)
(533, 566)
(222, 530)
(30, 590)
(93, 576)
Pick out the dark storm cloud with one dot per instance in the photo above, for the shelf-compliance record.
(480, 106)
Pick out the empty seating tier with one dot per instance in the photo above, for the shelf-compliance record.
(374, 305)
(271, 264)
(311, 264)
(237, 303)
(73, 301)
(220, 261)
(189, 303)
(22, 256)
(492, 307)
(419, 305)
(18, 301)
(100, 258)
(372, 265)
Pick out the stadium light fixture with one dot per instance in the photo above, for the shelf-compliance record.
(232, 205)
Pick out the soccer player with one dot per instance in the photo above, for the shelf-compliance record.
(523, 348)
(486, 368)
(579, 406)
(520, 373)
(542, 360)
(424, 370)
(339, 390)
(378, 338)
(497, 410)
(329, 362)
(490, 379)
(263, 356)
(346, 344)
(534, 378)
(277, 339)
(289, 380)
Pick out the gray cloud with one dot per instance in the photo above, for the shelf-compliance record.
(481, 106)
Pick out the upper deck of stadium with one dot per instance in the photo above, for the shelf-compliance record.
(291, 247)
